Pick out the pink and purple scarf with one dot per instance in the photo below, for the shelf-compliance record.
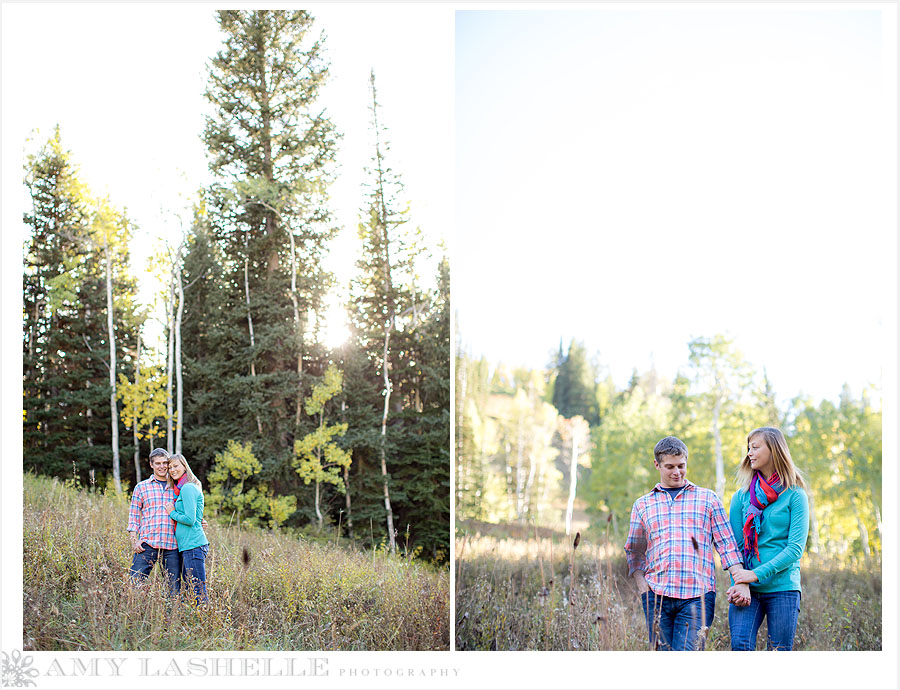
(181, 482)
(762, 494)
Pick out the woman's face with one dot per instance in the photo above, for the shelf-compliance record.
(760, 456)
(176, 469)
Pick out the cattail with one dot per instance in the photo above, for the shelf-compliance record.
(695, 544)
(245, 557)
(577, 540)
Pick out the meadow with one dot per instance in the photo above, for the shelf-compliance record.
(528, 589)
(268, 590)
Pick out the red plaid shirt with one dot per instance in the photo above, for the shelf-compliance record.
(146, 515)
(659, 541)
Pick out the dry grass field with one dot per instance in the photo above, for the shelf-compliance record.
(267, 590)
(537, 592)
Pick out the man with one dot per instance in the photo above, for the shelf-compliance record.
(669, 551)
(151, 530)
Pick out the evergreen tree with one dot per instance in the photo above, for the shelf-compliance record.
(75, 276)
(266, 228)
(377, 298)
(575, 389)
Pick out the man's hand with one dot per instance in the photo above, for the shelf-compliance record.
(641, 582)
(136, 543)
(169, 507)
(742, 576)
(739, 595)
(204, 524)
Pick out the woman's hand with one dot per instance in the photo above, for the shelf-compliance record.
(169, 507)
(742, 577)
(739, 595)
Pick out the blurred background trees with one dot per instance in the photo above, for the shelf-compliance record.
(715, 399)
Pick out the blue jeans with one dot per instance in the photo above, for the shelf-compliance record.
(193, 570)
(142, 563)
(677, 621)
(780, 609)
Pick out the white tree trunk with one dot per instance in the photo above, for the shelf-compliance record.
(520, 472)
(134, 426)
(250, 317)
(458, 430)
(720, 463)
(389, 516)
(170, 363)
(813, 526)
(179, 412)
(318, 512)
(573, 480)
(299, 329)
(114, 412)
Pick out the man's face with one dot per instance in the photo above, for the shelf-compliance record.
(672, 470)
(160, 467)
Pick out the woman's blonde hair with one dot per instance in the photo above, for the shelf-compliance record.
(191, 477)
(787, 471)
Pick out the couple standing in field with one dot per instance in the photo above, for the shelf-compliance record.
(165, 523)
(673, 531)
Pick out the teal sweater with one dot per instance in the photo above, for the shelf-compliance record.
(187, 514)
(782, 539)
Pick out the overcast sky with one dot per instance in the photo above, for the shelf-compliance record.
(637, 178)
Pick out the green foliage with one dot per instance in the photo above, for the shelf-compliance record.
(234, 489)
(144, 401)
(316, 456)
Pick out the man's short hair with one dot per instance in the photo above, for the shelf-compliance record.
(670, 446)
(159, 452)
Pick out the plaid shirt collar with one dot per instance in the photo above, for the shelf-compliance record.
(687, 485)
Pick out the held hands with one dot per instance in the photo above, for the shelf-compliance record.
(743, 576)
(739, 595)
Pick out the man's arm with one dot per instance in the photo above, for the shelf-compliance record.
(636, 550)
(723, 537)
(640, 581)
(134, 520)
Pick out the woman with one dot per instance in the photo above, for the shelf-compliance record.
(187, 511)
(770, 519)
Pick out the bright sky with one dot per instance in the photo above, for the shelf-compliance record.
(127, 90)
(637, 178)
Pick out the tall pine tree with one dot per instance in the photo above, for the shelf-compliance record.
(266, 228)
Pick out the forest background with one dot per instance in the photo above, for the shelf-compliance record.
(225, 356)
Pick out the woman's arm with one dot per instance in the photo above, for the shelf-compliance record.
(189, 497)
(736, 518)
(796, 539)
